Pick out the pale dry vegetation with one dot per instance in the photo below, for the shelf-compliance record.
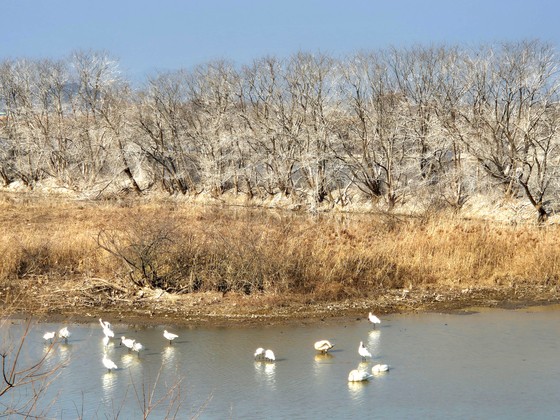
(89, 253)
(387, 128)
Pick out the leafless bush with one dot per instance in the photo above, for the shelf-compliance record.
(146, 247)
(146, 398)
(24, 385)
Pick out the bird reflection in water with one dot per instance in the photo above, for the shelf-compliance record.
(48, 348)
(266, 371)
(64, 351)
(356, 389)
(108, 383)
(322, 366)
(106, 342)
(168, 355)
(323, 357)
(374, 336)
(128, 359)
(363, 366)
(374, 342)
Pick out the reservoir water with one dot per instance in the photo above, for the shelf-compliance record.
(484, 364)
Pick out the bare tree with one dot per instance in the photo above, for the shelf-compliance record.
(213, 91)
(49, 110)
(272, 123)
(162, 110)
(373, 142)
(388, 124)
(311, 82)
(510, 118)
(115, 110)
(454, 169)
(415, 72)
(26, 126)
(94, 155)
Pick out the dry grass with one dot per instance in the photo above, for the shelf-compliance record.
(185, 248)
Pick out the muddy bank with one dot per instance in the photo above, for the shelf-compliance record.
(78, 302)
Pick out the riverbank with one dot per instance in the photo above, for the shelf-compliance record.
(170, 262)
(214, 309)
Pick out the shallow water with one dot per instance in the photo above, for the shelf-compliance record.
(489, 364)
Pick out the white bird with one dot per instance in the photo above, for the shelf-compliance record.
(363, 351)
(259, 353)
(269, 355)
(105, 324)
(379, 368)
(323, 346)
(373, 319)
(49, 335)
(169, 336)
(136, 346)
(358, 376)
(107, 330)
(64, 333)
(108, 363)
(128, 342)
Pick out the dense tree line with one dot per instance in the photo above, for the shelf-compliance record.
(389, 126)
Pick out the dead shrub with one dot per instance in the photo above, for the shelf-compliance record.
(146, 247)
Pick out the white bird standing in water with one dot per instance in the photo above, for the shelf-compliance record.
(323, 346)
(379, 368)
(259, 353)
(108, 363)
(128, 342)
(373, 319)
(363, 351)
(49, 336)
(269, 356)
(64, 333)
(358, 376)
(105, 324)
(136, 346)
(107, 330)
(169, 336)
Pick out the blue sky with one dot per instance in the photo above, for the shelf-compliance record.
(147, 36)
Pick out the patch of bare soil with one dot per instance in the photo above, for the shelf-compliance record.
(86, 300)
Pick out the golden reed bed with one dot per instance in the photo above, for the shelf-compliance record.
(97, 252)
